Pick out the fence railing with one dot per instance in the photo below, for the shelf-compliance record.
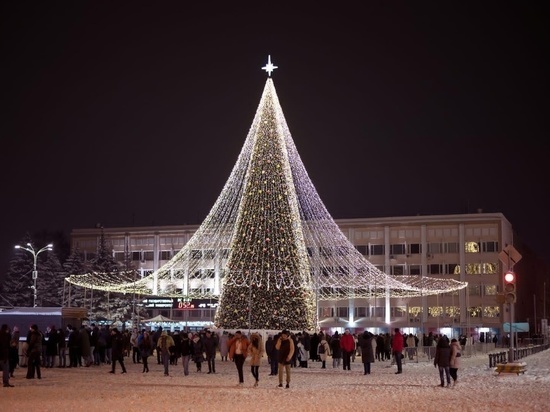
(518, 353)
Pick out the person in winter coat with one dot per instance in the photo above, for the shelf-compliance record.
(5, 339)
(443, 360)
(14, 350)
(51, 347)
(34, 352)
(347, 343)
(256, 352)
(336, 350)
(224, 350)
(210, 344)
(238, 350)
(454, 364)
(164, 343)
(323, 350)
(145, 346)
(85, 347)
(198, 351)
(397, 344)
(367, 353)
(117, 350)
(273, 355)
(186, 352)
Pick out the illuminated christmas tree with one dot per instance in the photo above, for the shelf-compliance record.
(268, 283)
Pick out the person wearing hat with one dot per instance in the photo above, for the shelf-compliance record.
(238, 350)
(285, 346)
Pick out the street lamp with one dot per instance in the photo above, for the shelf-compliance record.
(34, 254)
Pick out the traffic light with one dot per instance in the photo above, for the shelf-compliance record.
(510, 287)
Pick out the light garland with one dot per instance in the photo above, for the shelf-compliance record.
(269, 248)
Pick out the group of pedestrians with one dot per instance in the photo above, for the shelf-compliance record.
(283, 350)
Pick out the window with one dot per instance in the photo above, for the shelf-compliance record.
(489, 268)
(377, 250)
(361, 249)
(452, 247)
(490, 290)
(398, 270)
(415, 270)
(471, 247)
(360, 312)
(434, 248)
(453, 269)
(196, 254)
(326, 313)
(435, 269)
(489, 246)
(435, 311)
(148, 255)
(342, 311)
(474, 311)
(491, 311)
(398, 311)
(398, 249)
(166, 254)
(415, 249)
(474, 290)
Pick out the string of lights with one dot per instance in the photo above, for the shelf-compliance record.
(268, 247)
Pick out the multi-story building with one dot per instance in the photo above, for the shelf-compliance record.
(463, 247)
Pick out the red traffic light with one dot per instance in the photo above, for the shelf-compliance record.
(510, 287)
(509, 277)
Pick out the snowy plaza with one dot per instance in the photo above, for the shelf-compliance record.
(479, 388)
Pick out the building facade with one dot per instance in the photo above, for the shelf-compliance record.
(463, 247)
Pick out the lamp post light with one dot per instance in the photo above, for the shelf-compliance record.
(34, 254)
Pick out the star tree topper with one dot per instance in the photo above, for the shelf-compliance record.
(269, 67)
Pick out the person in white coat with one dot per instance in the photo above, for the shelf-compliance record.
(323, 350)
(455, 360)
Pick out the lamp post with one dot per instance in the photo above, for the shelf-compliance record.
(34, 254)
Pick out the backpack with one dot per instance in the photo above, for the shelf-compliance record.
(321, 349)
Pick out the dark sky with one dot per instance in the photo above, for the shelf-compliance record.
(133, 113)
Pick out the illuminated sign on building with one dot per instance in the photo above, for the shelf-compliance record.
(185, 304)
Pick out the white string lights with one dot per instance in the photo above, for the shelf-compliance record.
(269, 248)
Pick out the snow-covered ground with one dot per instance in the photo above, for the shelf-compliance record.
(314, 389)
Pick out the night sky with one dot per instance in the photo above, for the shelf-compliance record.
(134, 113)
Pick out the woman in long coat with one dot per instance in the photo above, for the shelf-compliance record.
(323, 354)
(224, 350)
(367, 352)
(256, 352)
(455, 360)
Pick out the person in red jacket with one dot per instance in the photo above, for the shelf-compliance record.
(397, 345)
(347, 343)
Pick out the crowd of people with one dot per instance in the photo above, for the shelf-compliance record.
(92, 345)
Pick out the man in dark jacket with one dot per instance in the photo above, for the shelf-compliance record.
(210, 344)
(285, 346)
(5, 339)
(443, 360)
(117, 341)
(34, 352)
